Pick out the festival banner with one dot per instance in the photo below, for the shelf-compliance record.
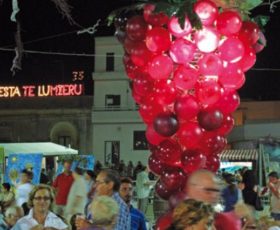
(18, 162)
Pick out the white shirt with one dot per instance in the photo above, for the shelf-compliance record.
(142, 185)
(22, 193)
(28, 222)
(275, 201)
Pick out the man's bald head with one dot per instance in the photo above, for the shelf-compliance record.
(203, 185)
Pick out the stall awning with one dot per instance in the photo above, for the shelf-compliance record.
(239, 155)
(46, 148)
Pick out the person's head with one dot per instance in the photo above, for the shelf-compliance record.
(41, 198)
(89, 175)
(107, 182)
(67, 166)
(203, 185)
(104, 210)
(126, 190)
(26, 176)
(13, 214)
(6, 187)
(192, 214)
(273, 177)
(77, 173)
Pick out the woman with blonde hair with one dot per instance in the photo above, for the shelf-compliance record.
(192, 215)
(40, 215)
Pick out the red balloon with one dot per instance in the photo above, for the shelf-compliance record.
(232, 77)
(210, 119)
(207, 11)
(185, 77)
(208, 92)
(229, 22)
(212, 143)
(149, 111)
(210, 64)
(248, 60)
(189, 134)
(131, 69)
(139, 54)
(169, 151)
(192, 160)
(142, 86)
(158, 19)
(164, 93)
(164, 221)
(166, 124)
(182, 51)
(155, 164)
(152, 136)
(228, 103)
(186, 107)
(162, 191)
(231, 50)
(160, 67)
(175, 28)
(136, 28)
(158, 40)
(249, 32)
(227, 126)
(213, 163)
(173, 179)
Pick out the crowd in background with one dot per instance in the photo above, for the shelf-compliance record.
(102, 199)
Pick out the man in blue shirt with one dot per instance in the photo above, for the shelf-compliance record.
(137, 218)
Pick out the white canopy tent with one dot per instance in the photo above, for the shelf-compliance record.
(46, 148)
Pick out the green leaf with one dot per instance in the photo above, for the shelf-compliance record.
(248, 5)
(261, 20)
(166, 8)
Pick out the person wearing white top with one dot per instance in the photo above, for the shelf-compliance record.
(40, 217)
(24, 187)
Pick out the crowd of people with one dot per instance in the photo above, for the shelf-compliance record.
(102, 200)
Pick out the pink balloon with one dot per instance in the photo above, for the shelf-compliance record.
(210, 64)
(141, 85)
(182, 51)
(158, 39)
(249, 32)
(229, 22)
(185, 77)
(208, 92)
(136, 28)
(186, 108)
(149, 111)
(155, 19)
(192, 160)
(231, 50)
(175, 28)
(248, 60)
(232, 77)
(207, 39)
(189, 135)
(139, 54)
(160, 67)
(152, 136)
(207, 11)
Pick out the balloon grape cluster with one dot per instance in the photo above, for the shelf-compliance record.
(185, 82)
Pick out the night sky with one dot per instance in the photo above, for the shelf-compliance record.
(40, 19)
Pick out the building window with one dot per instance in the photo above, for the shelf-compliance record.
(110, 62)
(113, 100)
(139, 140)
(112, 152)
(64, 140)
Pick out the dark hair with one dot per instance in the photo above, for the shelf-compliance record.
(126, 180)
(274, 174)
(79, 171)
(28, 173)
(73, 219)
(6, 186)
(91, 174)
(230, 179)
(112, 175)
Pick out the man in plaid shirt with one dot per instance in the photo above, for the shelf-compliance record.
(107, 184)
